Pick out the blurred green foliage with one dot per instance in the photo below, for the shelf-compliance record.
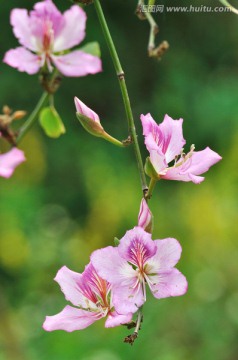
(77, 193)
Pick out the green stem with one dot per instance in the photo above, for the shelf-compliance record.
(33, 117)
(139, 320)
(125, 96)
(112, 140)
(228, 5)
(153, 30)
(151, 188)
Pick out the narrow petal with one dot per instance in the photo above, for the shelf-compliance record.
(176, 174)
(77, 63)
(86, 111)
(137, 247)
(197, 164)
(145, 217)
(166, 138)
(149, 126)
(23, 60)
(167, 255)
(115, 319)
(201, 161)
(69, 282)
(158, 161)
(152, 133)
(45, 15)
(111, 267)
(173, 140)
(168, 283)
(73, 31)
(9, 161)
(70, 319)
(22, 28)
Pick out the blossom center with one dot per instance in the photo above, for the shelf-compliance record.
(180, 159)
(48, 37)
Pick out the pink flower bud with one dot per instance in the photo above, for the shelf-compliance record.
(145, 218)
(82, 109)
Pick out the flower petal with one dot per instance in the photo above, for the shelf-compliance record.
(168, 283)
(111, 267)
(115, 319)
(45, 17)
(73, 31)
(70, 319)
(22, 28)
(167, 255)
(158, 161)
(172, 141)
(136, 246)
(23, 60)
(86, 111)
(149, 125)
(77, 63)
(69, 282)
(166, 138)
(9, 161)
(129, 298)
(197, 164)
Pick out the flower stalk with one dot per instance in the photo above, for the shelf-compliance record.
(124, 92)
(151, 188)
(32, 118)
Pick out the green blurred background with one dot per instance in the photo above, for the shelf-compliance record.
(74, 194)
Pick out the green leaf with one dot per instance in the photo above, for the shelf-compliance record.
(92, 48)
(51, 122)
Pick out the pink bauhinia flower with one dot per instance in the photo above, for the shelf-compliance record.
(45, 35)
(9, 161)
(92, 295)
(137, 261)
(165, 143)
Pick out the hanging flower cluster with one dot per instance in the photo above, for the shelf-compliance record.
(138, 262)
(114, 283)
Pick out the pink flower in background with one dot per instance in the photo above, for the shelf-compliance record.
(45, 34)
(145, 217)
(9, 161)
(91, 294)
(137, 261)
(165, 143)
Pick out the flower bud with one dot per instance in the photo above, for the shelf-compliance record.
(84, 110)
(145, 218)
(18, 115)
(88, 118)
(91, 122)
